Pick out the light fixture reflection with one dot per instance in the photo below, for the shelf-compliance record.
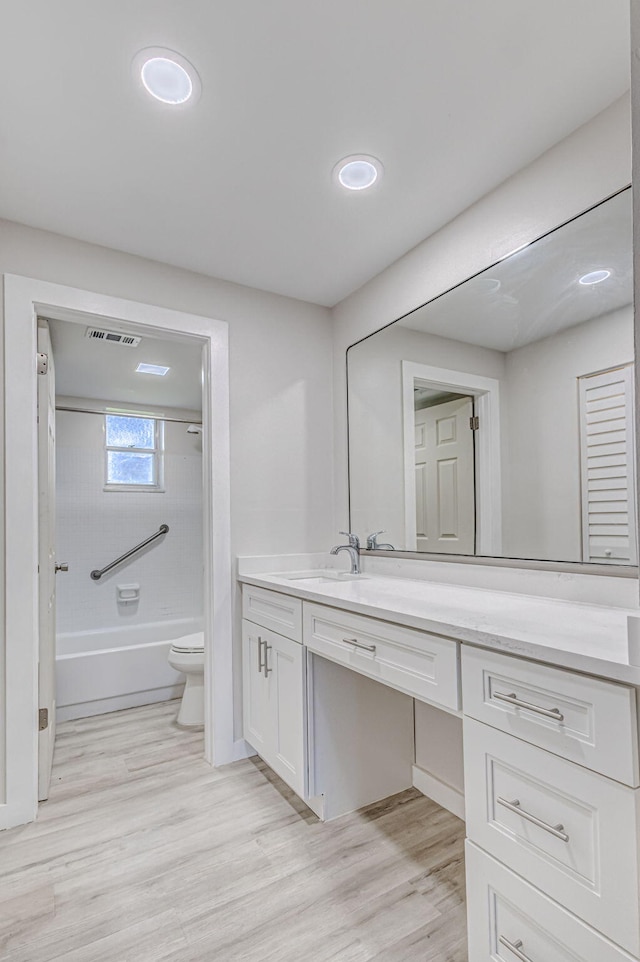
(152, 369)
(594, 277)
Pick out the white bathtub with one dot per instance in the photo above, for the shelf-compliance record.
(114, 668)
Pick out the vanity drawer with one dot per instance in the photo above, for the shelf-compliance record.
(273, 610)
(570, 832)
(503, 910)
(423, 665)
(590, 721)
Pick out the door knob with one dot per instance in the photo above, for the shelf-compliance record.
(62, 566)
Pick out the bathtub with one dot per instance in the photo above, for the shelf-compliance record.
(113, 668)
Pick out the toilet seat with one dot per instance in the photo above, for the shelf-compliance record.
(189, 644)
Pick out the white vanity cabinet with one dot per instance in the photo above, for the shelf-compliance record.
(551, 764)
(540, 747)
(273, 671)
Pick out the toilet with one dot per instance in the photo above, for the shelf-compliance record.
(187, 655)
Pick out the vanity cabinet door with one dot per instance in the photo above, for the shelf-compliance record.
(570, 832)
(274, 702)
(285, 710)
(418, 663)
(255, 689)
(587, 720)
(509, 921)
(273, 610)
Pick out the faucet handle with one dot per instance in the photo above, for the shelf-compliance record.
(354, 540)
(372, 540)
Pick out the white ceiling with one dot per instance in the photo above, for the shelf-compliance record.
(106, 371)
(453, 96)
(536, 293)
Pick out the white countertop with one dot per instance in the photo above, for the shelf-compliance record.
(582, 637)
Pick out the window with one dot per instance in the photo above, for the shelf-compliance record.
(133, 448)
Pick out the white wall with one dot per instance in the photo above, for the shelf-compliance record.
(281, 386)
(95, 526)
(590, 164)
(281, 397)
(541, 466)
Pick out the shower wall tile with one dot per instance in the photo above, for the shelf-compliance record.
(95, 526)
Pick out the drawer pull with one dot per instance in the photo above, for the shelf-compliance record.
(260, 644)
(514, 947)
(358, 644)
(556, 830)
(513, 699)
(267, 649)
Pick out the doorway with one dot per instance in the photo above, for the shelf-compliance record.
(121, 481)
(460, 389)
(24, 300)
(444, 471)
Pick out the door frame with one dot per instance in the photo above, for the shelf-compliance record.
(486, 393)
(24, 299)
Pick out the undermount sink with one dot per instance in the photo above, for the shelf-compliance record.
(322, 575)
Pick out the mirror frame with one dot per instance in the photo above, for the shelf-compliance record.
(569, 567)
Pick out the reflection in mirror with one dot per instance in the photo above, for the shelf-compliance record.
(497, 419)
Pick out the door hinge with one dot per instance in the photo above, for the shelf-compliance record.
(474, 423)
(43, 719)
(42, 363)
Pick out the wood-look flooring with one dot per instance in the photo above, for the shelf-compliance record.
(143, 853)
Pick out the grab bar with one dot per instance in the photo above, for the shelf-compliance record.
(96, 574)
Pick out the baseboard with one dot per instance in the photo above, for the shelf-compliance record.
(103, 706)
(445, 795)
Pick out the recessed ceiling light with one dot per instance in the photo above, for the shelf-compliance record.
(152, 369)
(358, 172)
(167, 76)
(594, 277)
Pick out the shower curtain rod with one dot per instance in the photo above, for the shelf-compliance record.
(126, 414)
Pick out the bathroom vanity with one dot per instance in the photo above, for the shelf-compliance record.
(494, 423)
(333, 668)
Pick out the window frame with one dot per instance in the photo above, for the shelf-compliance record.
(157, 452)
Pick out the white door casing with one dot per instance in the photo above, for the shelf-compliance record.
(24, 299)
(46, 560)
(488, 472)
(445, 492)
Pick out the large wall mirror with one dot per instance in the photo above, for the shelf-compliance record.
(498, 419)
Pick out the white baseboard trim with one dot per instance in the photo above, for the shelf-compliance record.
(103, 706)
(445, 795)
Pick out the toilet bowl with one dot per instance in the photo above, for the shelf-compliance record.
(187, 655)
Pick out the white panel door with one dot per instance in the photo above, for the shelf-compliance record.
(444, 473)
(608, 467)
(46, 561)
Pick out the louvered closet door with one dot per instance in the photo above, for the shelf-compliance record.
(608, 467)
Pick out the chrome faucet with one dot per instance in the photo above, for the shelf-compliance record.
(372, 543)
(354, 540)
(354, 551)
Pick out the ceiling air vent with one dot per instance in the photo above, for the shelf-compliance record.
(114, 337)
